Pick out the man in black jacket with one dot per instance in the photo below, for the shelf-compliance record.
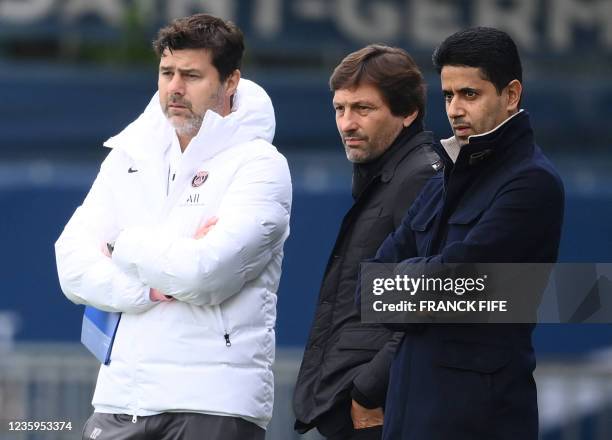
(379, 98)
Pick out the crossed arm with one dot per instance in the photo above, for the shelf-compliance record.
(206, 268)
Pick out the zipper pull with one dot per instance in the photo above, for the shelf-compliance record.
(134, 418)
(228, 343)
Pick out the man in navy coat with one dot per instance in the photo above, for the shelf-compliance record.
(497, 200)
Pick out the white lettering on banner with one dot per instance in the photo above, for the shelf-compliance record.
(110, 10)
(225, 9)
(518, 19)
(313, 9)
(379, 21)
(534, 24)
(433, 21)
(267, 18)
(567, 13)
(25, 11)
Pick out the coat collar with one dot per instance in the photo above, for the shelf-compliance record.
(388, 171)
(385, 166)
(484, 146)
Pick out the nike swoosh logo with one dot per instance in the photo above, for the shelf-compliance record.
(132, 170)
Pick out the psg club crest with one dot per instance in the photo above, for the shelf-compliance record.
(199, 178)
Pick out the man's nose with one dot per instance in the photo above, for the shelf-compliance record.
(454, 109)
(176, 86)
(347, 123)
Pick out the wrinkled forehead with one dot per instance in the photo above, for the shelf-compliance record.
(186, 58)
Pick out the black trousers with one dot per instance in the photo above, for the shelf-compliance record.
(170, 426)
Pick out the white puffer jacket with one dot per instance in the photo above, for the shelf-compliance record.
(212, 350)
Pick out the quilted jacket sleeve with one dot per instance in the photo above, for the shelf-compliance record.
(86, 275)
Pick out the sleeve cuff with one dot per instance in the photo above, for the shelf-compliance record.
(362, 399)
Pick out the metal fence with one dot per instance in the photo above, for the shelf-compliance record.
(55, 382)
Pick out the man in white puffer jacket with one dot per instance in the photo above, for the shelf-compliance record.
(196, 202)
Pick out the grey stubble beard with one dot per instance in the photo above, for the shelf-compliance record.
(191, 125)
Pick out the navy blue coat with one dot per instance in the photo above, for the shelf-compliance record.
(501, 201)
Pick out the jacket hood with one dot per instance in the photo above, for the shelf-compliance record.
(252, 118)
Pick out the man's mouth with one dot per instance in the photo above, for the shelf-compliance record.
(460, 129)
(349, 141)
(175, 103)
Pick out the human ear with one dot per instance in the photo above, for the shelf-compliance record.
(231, 83)
(410, 118)
(514, 89)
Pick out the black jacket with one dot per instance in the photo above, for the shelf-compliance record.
(500, 202)
(343, 356)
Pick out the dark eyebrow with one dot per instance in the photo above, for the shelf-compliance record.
(182, 71)
(354, 104)
(189, 71)
(362, 103)
(468, 89)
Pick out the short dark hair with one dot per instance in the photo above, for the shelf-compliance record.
(490, 49)
(391, 70)
(202, 31)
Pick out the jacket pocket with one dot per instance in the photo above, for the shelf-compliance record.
(480, 358)
(355, 347)
(363, 338)
(421, 226)
(371, 231)
(423, 221)
(222, 325)
(462, 222)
